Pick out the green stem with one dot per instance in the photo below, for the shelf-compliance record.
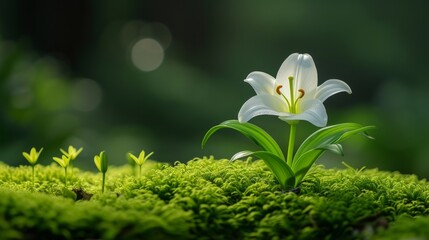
(65, 177)
(71, 167)
(33, 175)
(291, 144)
(102, 184)
(140, 170)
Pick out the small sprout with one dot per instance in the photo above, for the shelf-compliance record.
(140, 160)
(102, 165)
(32, 158)
(71, 154)
(64, 162)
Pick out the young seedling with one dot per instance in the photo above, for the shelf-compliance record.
(32, 158)
(140, 160)
(102, 165)
(71, 154)
(64, 162)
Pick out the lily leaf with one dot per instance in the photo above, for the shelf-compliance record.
(251, 131)
(335, 148)
(278, 166)
(324, 139)
(241, 154)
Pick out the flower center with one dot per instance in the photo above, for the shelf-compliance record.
(292, 102)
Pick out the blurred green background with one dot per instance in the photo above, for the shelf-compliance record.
(156, 75)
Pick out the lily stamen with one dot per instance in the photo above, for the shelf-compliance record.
(281, 94)
(278, 89)
(302, 93)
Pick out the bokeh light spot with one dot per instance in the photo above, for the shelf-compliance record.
(147, 54)
(86, 95)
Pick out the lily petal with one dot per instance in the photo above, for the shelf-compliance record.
(261, 82)
(331, 87)
(313, 112)
(302, 68)
(261, 105)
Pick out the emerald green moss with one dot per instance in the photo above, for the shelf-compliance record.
(406, 228)
(206, 199)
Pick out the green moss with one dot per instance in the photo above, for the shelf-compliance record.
(406, 228)
(206, 199)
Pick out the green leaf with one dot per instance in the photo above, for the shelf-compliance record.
(241, 154)
(101, 162)
(251, 131)
(104, 164)
(278, 166)
(63, 161)
(324, 139)
(335, 148)
(280, 169)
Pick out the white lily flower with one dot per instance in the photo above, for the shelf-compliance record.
(293, 95)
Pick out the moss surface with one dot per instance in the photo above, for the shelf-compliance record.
(209, 199)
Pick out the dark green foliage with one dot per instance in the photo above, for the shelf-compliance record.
(208, 199)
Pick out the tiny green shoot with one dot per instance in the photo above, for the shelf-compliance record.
(102, 165)
(140, 159)
(64, 162)
(32, 158)
(72, 154)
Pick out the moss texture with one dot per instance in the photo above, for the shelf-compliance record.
(210, 199)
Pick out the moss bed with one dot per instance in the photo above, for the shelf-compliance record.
(211, 199)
